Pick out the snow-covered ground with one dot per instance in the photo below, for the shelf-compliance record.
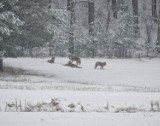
(80, 119)
(125, 92)
(118, 72)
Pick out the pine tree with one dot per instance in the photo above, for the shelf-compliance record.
(9, 23)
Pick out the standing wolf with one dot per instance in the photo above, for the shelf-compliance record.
(101, 64)
(75, 58)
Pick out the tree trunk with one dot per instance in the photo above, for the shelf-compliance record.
(114, 8)
(30, 52)
(51, 49)
(154, 10)
(148, 41)
(61, 52)
(22, 51)
(69, 5)
(109, 15)
(1, 56)
(135, 14)
(70, 8)
(91, 16)
(71, 40)
(1, 64)
(1, 60)
(91, 11)
(158, 32)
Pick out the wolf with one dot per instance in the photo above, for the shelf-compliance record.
(101, 64)
(76, 59)
(51, 60)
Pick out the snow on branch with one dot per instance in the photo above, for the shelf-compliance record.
(5, 30)
(1, 5)
(11, 17)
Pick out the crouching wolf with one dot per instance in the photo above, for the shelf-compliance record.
(70, 64)
(76, 59)
(51, 60)
(101, 64)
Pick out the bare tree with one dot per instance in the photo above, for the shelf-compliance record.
(109, 15)
(114, 8)
(135, 14)
(1, 60)
(158, 32)
(148, 40)
(70, 8)
(91, 18)
(154, 10)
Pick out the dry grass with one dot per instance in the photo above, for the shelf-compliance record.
(129, 110)
(55, 105)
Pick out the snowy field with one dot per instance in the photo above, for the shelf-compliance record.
(36, 93)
